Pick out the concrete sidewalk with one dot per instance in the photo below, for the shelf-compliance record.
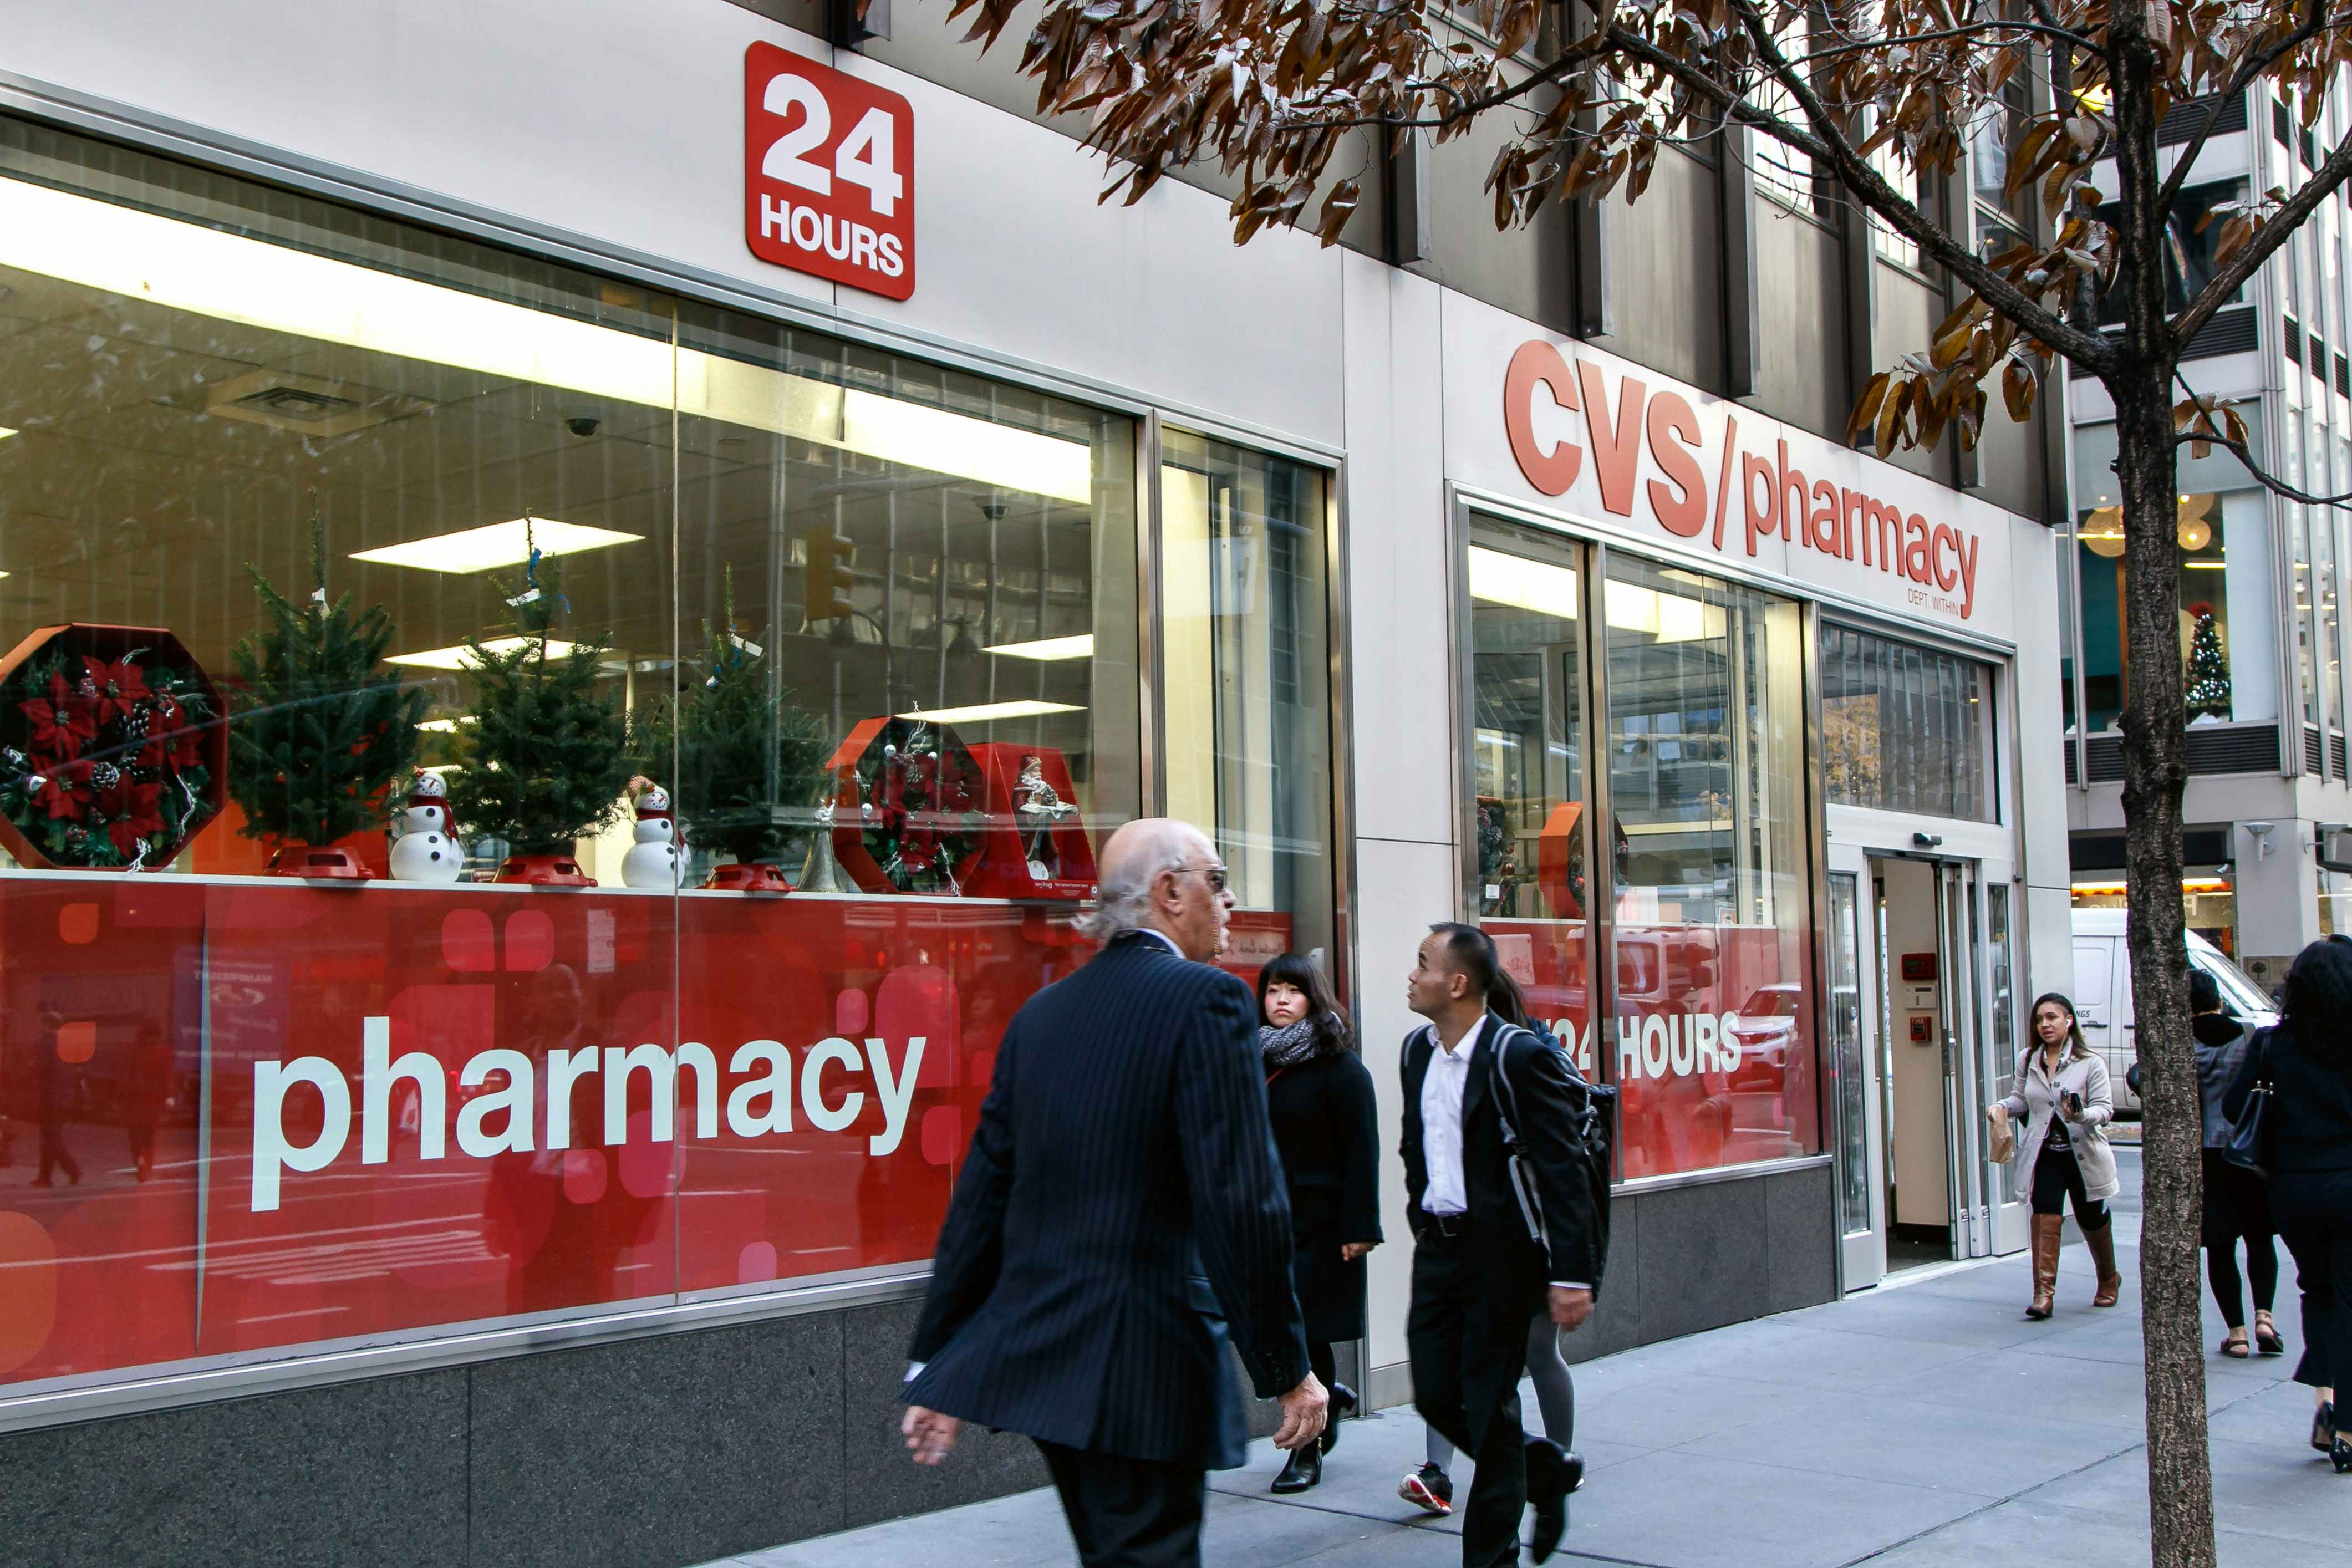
(1924, 1423)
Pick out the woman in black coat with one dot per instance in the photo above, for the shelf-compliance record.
(2307, 1061)
(1326, 1127)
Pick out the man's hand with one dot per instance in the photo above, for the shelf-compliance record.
(1571, 1307)
(1304, 1409)
(932, 1437)
(1351, 1250)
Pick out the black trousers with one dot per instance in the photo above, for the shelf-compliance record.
(2237, 1205)
(2055, 1174)
(2314, 1210)
(1467, 1335)
(1129, 1513)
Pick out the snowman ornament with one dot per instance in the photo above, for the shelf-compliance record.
(426, 849)
(654, 860)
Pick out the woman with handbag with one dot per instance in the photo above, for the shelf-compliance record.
(2063, 1099)
(1326, 1124)
(2237, 1201)
(2291, 1113)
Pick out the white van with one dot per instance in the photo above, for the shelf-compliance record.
(2103, 995)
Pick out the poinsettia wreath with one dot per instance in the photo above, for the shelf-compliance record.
(103, 764)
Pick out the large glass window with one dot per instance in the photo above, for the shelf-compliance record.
(2226, 623)
(1714, 1012)
(1243, 542)
(1528, 758)
(549, 628)
(1904, 728)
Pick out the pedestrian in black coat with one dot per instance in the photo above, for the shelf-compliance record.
(1327, 1125)
(1119, 1213)
(1495, 1239)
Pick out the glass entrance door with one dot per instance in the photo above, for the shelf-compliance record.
(1854, 1077)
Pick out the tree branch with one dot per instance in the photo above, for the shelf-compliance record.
(2091, 351)
(2223, 286)
(2255, 65)
(2237, 448)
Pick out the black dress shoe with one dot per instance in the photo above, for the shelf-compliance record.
(1550, 1477)
(2322, 1428)
(1305, 1469)
(1343, 1403)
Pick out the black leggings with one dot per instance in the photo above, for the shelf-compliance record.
(2055, 1174)
(2236, 1205)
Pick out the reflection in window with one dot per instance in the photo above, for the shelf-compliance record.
(1904, 728)
(2188, 248)
(1714, 1027)
(1245, 664)
(1533, 890)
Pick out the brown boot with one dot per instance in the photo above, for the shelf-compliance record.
(2102, 1243)
(2046, 1227)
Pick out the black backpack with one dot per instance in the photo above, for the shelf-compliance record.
(1594, 1134)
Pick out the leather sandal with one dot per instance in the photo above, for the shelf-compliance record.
(2266, 1336)
(2235, 1348)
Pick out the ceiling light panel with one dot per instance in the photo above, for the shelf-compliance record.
(497, 544)
(460, 656)
(987, 712)
(1048, 649)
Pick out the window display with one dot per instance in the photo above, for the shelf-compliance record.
(689, 736)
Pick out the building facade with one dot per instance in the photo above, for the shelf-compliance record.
(788, 427)
(2262, 632)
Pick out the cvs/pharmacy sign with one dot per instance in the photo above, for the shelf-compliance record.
(828, 172)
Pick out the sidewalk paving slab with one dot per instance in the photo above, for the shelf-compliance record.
(1924, 1424)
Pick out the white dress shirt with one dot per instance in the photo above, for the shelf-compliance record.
(1441, 1121)
(1441, 1127)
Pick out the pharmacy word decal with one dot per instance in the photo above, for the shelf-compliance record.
(828, 172)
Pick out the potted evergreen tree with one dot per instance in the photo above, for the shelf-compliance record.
(749, 760)
(320, 727)
(546, 757)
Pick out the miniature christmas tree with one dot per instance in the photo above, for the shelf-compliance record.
(748, 762)
(546, 756)
(322, 728)
(2208, 673)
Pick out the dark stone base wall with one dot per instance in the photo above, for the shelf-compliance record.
(683, 1448)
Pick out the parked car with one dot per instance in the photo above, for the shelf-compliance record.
(2102, 994)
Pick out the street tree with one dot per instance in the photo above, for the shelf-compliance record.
(1881, 97)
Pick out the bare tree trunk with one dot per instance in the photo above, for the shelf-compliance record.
(2155, 748)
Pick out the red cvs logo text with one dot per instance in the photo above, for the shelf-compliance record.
(828, 172)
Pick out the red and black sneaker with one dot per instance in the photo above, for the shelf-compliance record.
(1428, 1489)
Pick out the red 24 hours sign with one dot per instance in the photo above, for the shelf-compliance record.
(828, 163)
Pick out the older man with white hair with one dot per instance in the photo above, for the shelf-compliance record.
(1120, 1211)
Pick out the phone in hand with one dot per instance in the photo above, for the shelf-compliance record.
(2075, 1104)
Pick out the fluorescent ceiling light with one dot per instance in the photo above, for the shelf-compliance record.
(983, 712)
(497, 544)
(1518, 584)
(2193, 565)
(1048, 649)
(439, 726)
(230, 278)
(5, 432)
(462, 658)
(1667, 618)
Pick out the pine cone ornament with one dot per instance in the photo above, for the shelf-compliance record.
(105, 775)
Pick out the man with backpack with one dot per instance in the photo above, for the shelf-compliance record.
(1507, 1207)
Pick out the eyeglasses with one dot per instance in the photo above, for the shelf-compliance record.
(1214, 875)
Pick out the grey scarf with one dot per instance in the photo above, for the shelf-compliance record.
(1288, 1045)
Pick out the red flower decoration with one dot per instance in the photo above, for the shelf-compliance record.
(119, 687)
(134, 813)
(60, 723)
(61, 798)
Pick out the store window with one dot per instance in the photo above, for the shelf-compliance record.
(1529, 759)
(584, 622)
(2227, 626)
(1713, 1039)
(1904, 728)
(1245, 605)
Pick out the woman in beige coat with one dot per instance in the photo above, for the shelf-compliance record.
(2064, 1103)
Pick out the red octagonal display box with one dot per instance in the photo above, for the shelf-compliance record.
(113, 752)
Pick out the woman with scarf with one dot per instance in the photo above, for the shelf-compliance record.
(1326, 1127)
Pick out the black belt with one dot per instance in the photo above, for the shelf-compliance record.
(1450, 1225)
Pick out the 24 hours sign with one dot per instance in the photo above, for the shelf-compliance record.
(828, 163)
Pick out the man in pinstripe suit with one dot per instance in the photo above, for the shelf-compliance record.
(1120, 1210)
